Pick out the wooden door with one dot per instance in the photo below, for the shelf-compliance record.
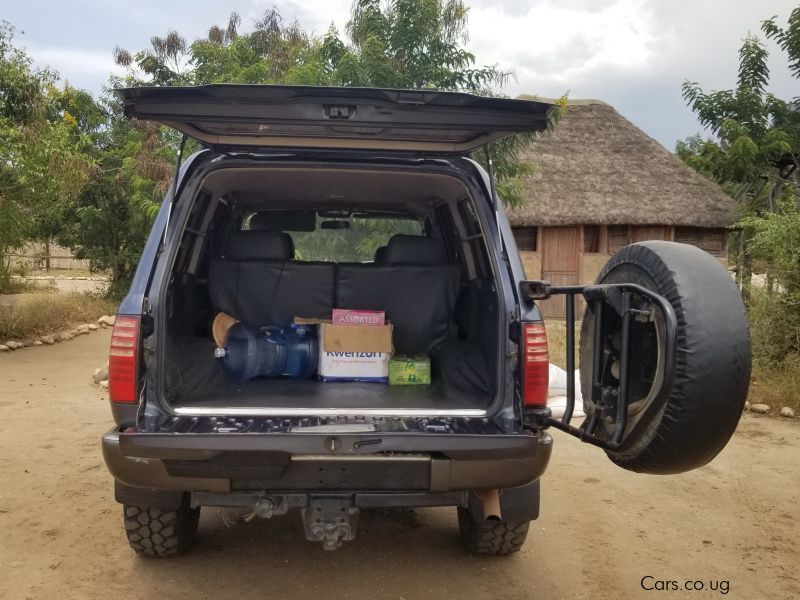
(560, 260)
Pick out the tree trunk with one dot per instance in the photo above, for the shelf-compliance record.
(47, 253)
(741, 194)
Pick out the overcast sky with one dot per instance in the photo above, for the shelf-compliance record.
(633, 54)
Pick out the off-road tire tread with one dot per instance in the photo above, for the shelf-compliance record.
(158, 533)
(491, 537)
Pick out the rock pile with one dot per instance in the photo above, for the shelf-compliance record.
(61, 336)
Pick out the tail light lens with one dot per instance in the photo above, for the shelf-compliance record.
(123, 361)
(535, 365)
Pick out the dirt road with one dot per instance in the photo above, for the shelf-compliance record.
(602, 529)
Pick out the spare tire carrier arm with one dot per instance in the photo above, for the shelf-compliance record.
(618, 296)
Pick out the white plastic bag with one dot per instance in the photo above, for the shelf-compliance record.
(557, 392)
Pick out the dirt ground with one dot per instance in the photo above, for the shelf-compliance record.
(732, 525)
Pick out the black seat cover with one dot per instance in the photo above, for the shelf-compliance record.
(260, 245)
(415, 287)
(257, 282)
(380, 256)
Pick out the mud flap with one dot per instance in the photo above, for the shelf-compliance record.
(147, 497)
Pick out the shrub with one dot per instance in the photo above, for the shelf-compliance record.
(41, 314)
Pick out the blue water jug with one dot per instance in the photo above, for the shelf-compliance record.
(271, 351)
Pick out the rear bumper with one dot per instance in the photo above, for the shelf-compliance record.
(323, 463)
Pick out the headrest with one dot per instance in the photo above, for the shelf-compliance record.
(380, 255)
(261, 220)
(263, 245)
(405, 249)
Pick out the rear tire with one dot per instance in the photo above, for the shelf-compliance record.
(158, 533)
(491, 536)
(712, 362)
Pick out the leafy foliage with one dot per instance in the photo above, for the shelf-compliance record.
(44, 162)
(788, 39)
(755, 155)
(357, 243)
(410, 44)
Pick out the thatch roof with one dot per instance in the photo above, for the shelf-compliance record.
(596, 167)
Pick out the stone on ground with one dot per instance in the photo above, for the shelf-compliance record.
(100, 374)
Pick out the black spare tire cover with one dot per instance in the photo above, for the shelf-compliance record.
(712, 362)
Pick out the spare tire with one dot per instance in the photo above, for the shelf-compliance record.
(712, 358)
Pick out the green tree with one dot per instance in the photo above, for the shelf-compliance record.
(273, 52)
(165, 62)
(43, 156)
(21, 102)
(111, 218)
(410, 44)
(750, 125)
(755, 155)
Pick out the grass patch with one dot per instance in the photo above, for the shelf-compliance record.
(65, 273)
(41, 314)
(777, 385)
(17, 286)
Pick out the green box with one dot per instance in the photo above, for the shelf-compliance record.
(410, 370)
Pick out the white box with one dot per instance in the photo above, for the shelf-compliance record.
(338, 361)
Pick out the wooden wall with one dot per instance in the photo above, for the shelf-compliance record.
(576, 254)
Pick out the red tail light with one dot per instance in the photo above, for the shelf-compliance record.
(123, 372)
(535, 365)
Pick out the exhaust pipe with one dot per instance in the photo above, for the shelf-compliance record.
(491, 503)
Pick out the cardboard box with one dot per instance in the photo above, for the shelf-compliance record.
(410, 370)
(353, 352)
(346, 316)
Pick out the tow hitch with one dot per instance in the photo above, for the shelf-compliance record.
(614, 409)
(327, 519)
(330, 520)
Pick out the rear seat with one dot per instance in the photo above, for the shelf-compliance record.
(414, 285)
(258, 282)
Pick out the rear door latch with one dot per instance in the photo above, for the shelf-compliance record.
(340, 111)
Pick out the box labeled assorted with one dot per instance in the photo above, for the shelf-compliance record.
(409, 370)
(348, 316)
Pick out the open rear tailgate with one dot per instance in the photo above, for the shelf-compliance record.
(226, 116)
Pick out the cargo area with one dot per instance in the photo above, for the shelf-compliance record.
(275, 252)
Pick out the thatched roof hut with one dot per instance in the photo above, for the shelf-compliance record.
(598, 168)
(599, 183)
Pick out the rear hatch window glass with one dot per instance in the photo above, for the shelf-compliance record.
(343, 237)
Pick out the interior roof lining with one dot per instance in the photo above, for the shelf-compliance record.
(332, 187)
